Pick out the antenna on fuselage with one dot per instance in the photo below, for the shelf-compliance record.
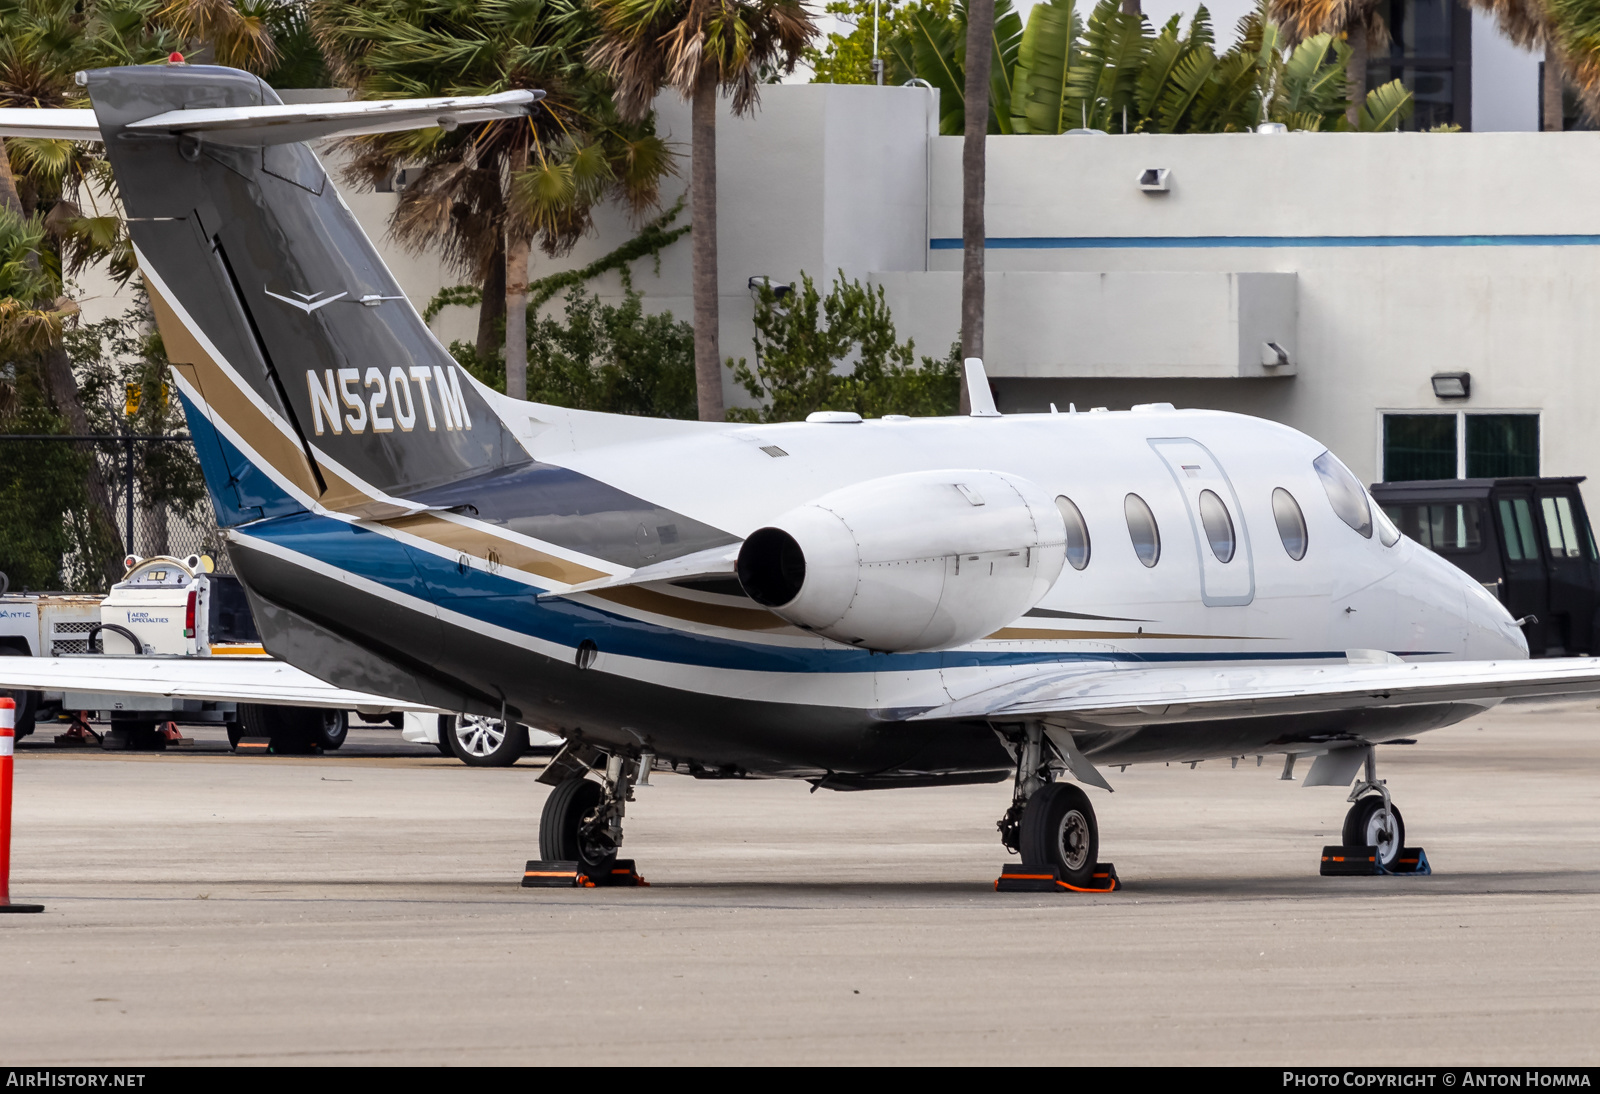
(978, 390)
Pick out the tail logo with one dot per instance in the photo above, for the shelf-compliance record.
(344, 399)
(308, 302)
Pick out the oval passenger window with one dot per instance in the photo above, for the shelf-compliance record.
(1349, 501)
(1218, 524)
(1291, 523)
(1077, 533)
(1142, 529)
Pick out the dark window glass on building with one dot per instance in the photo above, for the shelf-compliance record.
(1430, 52)
(1419, 446)
(1502, 445)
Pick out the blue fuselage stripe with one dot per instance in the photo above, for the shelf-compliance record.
(502, 602)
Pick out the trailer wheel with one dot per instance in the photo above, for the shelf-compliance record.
(330, 728)
(291, 729)
(27, 701)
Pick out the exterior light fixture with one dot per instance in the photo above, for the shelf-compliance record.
(1155, 180)
(1452, 385)
(1273, 355)
(780, 289)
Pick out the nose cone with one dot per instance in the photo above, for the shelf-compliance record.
(1492, 634)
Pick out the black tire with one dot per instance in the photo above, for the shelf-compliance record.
(1059, 829)
(479, 742)
(330, 729)
(442, 742)
(27, 701)
(1360, 824)
(561, 838)
(291, 729)
(235, 731)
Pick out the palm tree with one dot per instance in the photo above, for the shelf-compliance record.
(1360, 22)
(484, 194)
(700, 48)
(974, 163)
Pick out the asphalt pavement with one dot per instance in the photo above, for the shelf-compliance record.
(364, 907)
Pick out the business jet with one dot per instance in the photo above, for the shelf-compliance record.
(900, 602)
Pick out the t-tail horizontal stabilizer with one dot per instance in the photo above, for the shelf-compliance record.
(279, 123)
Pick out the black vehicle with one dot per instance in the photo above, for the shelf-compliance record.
(1527, 540)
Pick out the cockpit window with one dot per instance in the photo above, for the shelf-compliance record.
(1349, 501)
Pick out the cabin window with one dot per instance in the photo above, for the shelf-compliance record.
(1560, 529)
(1516, 523)
(1349, 501)
(1218, 524)
(1291, 523)
(1450, 528)
(1077, 533)
(1142, 529)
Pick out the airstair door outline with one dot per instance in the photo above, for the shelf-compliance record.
(1196, 471)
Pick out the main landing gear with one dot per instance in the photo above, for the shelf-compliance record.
(1374, 836)
(1050, 824)
(580, 830)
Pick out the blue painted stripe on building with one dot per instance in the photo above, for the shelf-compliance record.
(1090, 243)
(509, 604)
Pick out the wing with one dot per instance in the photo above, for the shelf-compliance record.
(255, 126)
(215, 679)
(1143, 695)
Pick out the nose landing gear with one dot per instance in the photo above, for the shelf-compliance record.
(1374, 822)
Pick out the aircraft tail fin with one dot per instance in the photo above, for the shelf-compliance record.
(309, 379)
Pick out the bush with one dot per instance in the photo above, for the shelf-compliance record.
(839, 353)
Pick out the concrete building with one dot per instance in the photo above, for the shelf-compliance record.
(1323, 280)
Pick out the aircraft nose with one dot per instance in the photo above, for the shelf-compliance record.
(1492, 634)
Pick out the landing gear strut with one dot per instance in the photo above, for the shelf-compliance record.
(1050, 823)
(1374, 820)
(582, 818)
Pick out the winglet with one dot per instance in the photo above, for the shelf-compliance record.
(978, 393)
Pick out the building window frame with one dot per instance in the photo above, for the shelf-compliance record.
(1461, 417)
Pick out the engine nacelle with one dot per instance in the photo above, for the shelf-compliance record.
(923, 561)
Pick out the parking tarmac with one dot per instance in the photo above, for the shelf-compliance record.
(363, 907)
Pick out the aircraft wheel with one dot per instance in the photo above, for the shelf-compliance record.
(478, 741)
(1059, 829)
(1369, 825)
(562, 835)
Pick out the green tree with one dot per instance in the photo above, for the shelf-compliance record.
(613, 358)
(121, 362)
(847, 58)
(482, 195)
(838, 352)
(700, 49)
(47, 515)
